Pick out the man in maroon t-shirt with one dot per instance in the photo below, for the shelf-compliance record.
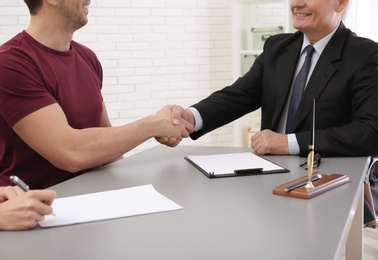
(53, 121)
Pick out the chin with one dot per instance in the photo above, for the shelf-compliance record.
(83, 22)
(299, 26)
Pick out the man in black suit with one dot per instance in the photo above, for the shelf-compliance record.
(343, 79)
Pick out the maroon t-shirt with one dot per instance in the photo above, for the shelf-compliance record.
(33, 76)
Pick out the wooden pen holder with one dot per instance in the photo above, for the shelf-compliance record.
(326, 183)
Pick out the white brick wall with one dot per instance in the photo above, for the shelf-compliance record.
(153, 52)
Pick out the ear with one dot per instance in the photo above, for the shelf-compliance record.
(343, 4)
(52, 2)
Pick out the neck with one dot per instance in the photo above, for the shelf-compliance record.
(50, 33)
(315, 36)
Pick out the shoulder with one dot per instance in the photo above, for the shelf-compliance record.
(352, 40)
(83, 51)
(15, 41)
(352, 37)
(345, 43)
(20, 51)
(87, 55)
(17, 53)
(78, 47)
(280, 43)
(363, 44)
(14, 45)
(284, 38)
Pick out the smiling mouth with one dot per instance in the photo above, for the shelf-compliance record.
(302, 15)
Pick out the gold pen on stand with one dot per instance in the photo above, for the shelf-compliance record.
(311, 148)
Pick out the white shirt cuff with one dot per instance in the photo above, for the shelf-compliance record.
(197, 119)
(293, 144)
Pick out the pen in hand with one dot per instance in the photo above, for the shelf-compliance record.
(17, 181)
(22, 185)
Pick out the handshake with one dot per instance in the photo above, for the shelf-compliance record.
(174, 124)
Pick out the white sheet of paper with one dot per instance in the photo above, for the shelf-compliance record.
(108, 205)
(227, 163)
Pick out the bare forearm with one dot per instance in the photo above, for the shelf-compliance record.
(98, 146)
(77, 149)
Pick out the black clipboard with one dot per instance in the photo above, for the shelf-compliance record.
(197, 161)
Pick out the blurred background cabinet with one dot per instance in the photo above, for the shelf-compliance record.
(253, 21)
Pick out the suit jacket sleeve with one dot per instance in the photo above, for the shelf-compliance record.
(232, 102)
(344, 84)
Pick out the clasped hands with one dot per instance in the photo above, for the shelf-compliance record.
(180, 124)
(264, 142)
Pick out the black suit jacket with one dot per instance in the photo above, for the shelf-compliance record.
(344, 84)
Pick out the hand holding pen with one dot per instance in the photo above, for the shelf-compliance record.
(17, 181)
(23, 186)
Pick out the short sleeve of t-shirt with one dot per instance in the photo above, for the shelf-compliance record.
(22, 88)
(33, 76)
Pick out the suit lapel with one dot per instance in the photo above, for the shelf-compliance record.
(322, 74)
(318, 81)
(286, 63)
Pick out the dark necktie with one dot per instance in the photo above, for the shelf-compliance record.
(299, 85)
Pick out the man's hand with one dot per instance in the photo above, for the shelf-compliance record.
(8, 192)
(269, 142)
(25, 210)
(179, 116)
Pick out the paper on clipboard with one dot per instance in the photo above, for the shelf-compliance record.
(226, 165)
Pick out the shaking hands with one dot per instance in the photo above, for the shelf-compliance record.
(179, 124)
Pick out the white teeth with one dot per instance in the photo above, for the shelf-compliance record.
(303, 15)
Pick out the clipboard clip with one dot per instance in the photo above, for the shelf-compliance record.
(248, 171)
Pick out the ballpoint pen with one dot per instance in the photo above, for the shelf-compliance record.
(311, 147)
(302, 183)
(17, 181)
(23, 186)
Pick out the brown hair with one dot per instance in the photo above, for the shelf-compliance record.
(33, 5)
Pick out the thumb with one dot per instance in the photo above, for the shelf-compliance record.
(177, 112)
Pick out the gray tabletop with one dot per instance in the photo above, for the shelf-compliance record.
(224, 218)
